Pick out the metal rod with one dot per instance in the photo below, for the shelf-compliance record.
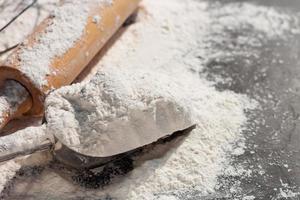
(40, 148)
(25, 142)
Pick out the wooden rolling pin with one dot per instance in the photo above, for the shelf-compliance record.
(104, 19)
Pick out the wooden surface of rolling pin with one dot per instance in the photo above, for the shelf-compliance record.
(102, 22)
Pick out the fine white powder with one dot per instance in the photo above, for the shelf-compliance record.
(96, 19)
(137, 71)
(8, 171)
(168, 52)
(120, 110)
(68, 25)
(265, 20)
(25, 24)
(65, 29)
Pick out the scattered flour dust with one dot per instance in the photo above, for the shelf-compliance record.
(142, 78)
(24, 25)
(8, 172)
(167, 68)
(137, 75)
(267, 20)
(27, 139)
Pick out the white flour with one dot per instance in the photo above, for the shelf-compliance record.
(135, 71)
(267, 20)
(159, 55)
(119, 110)
(11, 36)
(8, 171)
(138, 80)
(69, 20)
(30, 137)
(25, 24)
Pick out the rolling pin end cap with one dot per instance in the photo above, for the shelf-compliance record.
(36, 94)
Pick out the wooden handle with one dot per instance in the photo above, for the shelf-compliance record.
(65, 68)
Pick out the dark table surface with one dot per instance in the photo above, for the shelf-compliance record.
(273, 79)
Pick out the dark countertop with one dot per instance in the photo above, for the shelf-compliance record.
(273, 79)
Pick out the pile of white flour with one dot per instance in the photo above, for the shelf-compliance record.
(120, 110)
(152, 68)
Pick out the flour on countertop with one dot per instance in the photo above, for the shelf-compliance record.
(138, 79)
(21, 140)
(25, 24)
(272, 22)
(171, 64)
(133, 72)
(8, 171)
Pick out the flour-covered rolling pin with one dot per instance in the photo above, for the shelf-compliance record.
(57, 51)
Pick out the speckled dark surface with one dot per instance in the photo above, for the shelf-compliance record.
(274, 80)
